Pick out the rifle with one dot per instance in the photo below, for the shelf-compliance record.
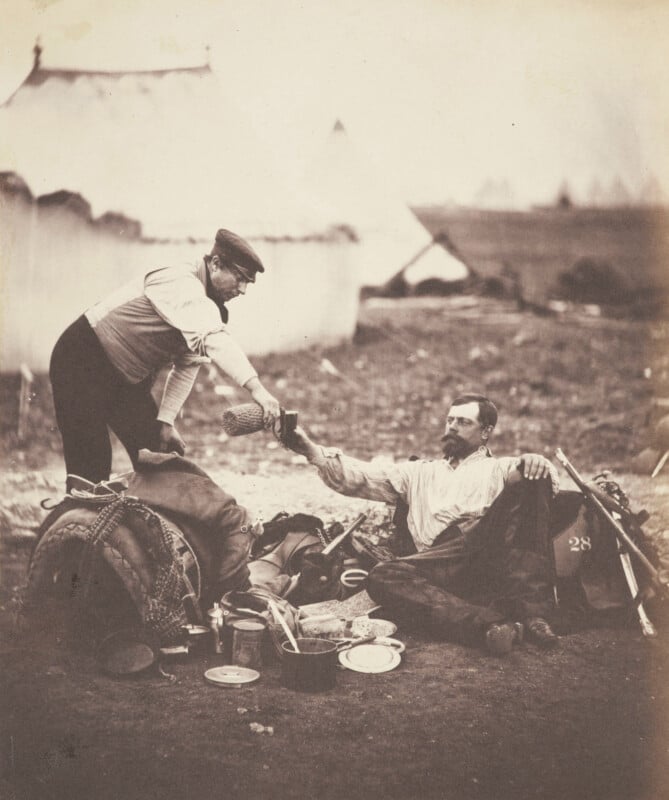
(626, 545)
(339, 539)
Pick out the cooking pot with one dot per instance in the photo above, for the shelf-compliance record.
(313, 668)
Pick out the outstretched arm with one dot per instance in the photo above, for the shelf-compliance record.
(267, 401)
(349, 476)
(302, 444)
(178, 296)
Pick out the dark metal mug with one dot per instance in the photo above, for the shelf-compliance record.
(313, 668)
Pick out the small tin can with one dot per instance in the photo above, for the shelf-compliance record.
(247, 640)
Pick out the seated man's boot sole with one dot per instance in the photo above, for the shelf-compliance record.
(500, 638)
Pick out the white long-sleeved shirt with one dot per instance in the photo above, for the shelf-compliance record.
(438, 494)
(166, 318)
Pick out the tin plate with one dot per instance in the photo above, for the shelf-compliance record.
(231, 677)
(370, 658)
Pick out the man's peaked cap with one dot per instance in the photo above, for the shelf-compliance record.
(240, 253)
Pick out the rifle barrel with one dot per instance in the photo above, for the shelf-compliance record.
(620, 532)
(339, 539)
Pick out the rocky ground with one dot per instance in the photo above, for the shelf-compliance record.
(588, 721)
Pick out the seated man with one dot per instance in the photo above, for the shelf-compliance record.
(480, 573)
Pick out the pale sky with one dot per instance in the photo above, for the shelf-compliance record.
(444, 94)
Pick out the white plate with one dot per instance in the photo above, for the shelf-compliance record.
(370, 658)
(230, 676)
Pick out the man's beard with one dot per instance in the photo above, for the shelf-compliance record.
(455, 447)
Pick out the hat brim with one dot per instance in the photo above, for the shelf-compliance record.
(248, 275)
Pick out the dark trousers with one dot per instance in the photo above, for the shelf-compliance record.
(497, 571)
(89, 396)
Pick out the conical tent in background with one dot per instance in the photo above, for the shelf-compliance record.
(390, 235)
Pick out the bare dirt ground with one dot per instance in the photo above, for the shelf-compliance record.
(588, 721)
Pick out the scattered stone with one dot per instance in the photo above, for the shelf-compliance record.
(256, 727)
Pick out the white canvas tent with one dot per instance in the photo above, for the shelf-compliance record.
(168, 149)
(390, 235)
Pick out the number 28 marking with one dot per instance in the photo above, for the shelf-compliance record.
(579, 544)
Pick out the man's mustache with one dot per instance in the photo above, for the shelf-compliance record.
(451, 444)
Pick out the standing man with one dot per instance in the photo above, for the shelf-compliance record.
(478, 569)
(104, 365)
